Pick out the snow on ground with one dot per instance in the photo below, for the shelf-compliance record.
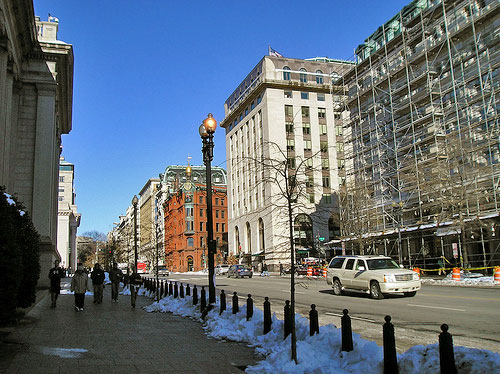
(320, 353)
(467, 279)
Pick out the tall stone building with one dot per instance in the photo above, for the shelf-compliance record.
(285, 108)
(148, 223)
(36, 92)
(68, 218)
(422, 136)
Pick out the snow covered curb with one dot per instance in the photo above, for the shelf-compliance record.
(464, 282)
(320, 353)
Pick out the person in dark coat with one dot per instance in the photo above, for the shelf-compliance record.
(55, 276)
(115, 276)
(135, 284)
(97, 277)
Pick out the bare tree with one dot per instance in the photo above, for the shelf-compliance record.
(89, 247)
(290, 180)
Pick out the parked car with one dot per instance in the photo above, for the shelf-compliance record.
(376, 275)
(221, 269)
(240, 271)
(163, 271)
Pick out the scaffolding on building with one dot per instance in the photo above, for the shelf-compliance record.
(421, 131)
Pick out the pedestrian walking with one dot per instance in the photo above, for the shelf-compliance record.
(135, 282)
(441, 265)
(55, 276)
(79, 285)
(281, 269)
(97, 277)
(115, 276)
(264, 272)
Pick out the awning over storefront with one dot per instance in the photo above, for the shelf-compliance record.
(261, 253)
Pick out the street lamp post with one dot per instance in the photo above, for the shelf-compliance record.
(207, 130)
(135, 200)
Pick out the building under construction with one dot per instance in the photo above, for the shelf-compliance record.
(422, 157)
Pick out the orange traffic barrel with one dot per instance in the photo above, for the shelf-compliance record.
(325, 272)
(416, 270)
(456, 274)
(309, 271)
(497, 274)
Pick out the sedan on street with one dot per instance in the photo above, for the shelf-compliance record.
(239, 271)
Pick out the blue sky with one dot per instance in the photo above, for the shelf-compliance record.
(147, 72)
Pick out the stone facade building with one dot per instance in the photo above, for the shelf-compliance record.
(68, 218)
(148, 223)
(284, 109)
(36, 92)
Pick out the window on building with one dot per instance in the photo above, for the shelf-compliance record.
(189, 226)
(290, 145)
(325, 164)
(217, 227)
(339, 131)
(322, 129)
(201, 212)
(289, 127)
(223, 213)
(288, 94)
(222, 202)
(286, 73)
(201, 226)
(216, 201)
(340, 147)
(303, 75)
(61, 198)
(304, 95)
(321, 97)
(288, 111)
(336, 116)
(223, 227)
(340, 164)
(61, 189)
(307, 145)
(201, 241)
(323, 146)
(309, 163)
(61, 179)
(310, 181)
(190, 242)
(216, 214)
(290, 163)
(321, 113)
(327, 198)
(306, 128)
(259, 99)
(326, 181)
(189, 212)
(305, 111)
(319, 78)
(201, 197)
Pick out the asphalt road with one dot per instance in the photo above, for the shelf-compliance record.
(471, 313)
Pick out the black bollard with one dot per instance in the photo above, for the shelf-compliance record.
(313, 321)
(176, 290)
(390, 358)
(170, 289)
(181, 291)
(188, 290)
(267, 316)
(446, 352)
(162, 289)
(203, 300)
(195, 295)
(222, 302)
(236, 308)
(347, 345)
(249, 307)
(288, 319)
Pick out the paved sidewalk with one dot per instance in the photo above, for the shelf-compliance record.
(115, 338)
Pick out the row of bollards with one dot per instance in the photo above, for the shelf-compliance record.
(446, 352)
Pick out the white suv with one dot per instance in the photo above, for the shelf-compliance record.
(376, 275)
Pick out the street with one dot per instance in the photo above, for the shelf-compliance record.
(471, 313)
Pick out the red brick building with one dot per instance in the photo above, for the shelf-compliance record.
(185, 212)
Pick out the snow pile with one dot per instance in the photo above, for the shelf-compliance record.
(319, 353)
(464, 281)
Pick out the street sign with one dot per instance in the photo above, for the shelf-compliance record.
(455, 250)
(321, 239)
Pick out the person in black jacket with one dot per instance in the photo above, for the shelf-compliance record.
(55, 275)
(115, 276)
(135, 284)
(97, 276)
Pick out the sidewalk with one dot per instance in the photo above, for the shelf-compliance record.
(115, 338)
